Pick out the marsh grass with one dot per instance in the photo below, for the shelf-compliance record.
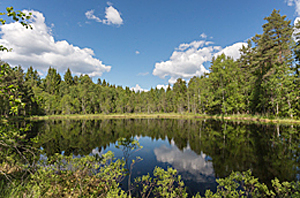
(237, 117)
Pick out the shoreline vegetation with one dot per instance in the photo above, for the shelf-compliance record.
(240, 118)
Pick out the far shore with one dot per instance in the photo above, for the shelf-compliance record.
(245, 118)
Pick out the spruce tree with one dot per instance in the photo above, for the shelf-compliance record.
(271, 65)
(52, 81)
(179, 90)
(68, 77)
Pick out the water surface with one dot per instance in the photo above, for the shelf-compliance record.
(201, 150)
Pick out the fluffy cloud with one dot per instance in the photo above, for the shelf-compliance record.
(190, 165)
(138, 88)
(38, 48)
(187, 60)
(296, 3)
(232, 51)
(203, 35)
(90, 15)
(112, 16)
(297, 10)
(165, 87)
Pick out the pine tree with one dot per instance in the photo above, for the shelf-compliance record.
(217, 79)
(52, 81)
(68, 77)
(32, 77)
(180, 89)
(169, 98)
(247, 79)
(99, 82)
(271, 65)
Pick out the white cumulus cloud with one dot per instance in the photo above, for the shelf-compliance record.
(38, 48)
(232, 51)
(187, 60)
(112, 16)
(165, 87)
(90, 15)
(296, 3)
(203, 35)
(138, 88)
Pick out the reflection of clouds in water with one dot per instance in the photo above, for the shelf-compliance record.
(96, 151)
(172, 142)
(137, 137)
(190, 165)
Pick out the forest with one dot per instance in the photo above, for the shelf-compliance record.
(263, 81)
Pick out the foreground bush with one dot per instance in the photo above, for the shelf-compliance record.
(93, 176)
(245, 185)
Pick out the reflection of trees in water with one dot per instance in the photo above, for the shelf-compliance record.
(278, 151)
(269, 150)
(256, 147)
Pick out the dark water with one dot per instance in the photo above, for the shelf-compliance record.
(200, 150)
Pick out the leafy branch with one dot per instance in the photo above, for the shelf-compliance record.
(17, 16)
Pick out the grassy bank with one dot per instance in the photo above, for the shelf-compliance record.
(169, 116)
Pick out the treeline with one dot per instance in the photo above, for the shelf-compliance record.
(263, 81)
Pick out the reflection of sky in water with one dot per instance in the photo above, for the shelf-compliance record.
(196, 170)
(190, 165)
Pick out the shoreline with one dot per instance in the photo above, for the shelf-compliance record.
(241, 118)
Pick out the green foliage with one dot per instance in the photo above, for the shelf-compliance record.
(240, 185)
(272, 67)
(16, 16)
(88, 176)
(179, 95)
(9, 90)
(245, 185)
(264, 81)
(68, 77)
(225, 83)
(165, 183)
(17, 155)
(52, 81)
(77, 174)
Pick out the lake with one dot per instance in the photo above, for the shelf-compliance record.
(201, 150)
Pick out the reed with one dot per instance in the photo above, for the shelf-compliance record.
(240, 117)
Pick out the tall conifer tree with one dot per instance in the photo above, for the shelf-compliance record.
(272, 61)
(68, 77)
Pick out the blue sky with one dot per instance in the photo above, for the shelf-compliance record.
(134, 43)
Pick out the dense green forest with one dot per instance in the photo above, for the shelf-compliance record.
(263, 81)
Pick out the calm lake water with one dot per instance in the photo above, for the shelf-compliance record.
(201, 150)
